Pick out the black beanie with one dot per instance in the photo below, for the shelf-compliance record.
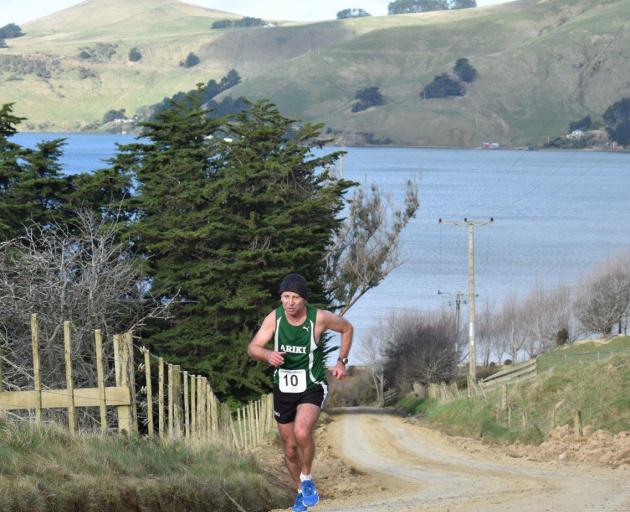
(294, 283)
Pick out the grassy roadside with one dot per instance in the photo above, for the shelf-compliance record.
(599, 390)
(47, 470)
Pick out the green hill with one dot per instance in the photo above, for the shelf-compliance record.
(540, 65)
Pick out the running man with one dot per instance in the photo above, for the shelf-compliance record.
(299, 380)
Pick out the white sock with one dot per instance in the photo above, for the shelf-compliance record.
(305, 477)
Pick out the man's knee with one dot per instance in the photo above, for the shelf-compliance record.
(303, 434)
(290, 451)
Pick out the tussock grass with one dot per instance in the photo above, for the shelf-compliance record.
(599, 390)
(47, 470)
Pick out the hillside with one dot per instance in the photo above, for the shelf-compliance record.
(540, 65)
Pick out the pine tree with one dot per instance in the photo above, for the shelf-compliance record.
(220, 223)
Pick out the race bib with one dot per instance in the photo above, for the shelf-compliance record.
(292, 381)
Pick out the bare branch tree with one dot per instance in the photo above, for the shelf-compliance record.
(604, 298)
(420, 348)
(545, 314)
(80, 273)
(371, 353)
(366, 249)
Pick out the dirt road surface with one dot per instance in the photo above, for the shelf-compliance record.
(405, 467)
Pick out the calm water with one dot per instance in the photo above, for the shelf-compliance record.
(557, 214)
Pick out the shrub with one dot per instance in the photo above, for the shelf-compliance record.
(112, 115)
(465, 71)
(617, 119)
(367, 97)
(582, 124)
(190, 61)
(352, 13)
(562, 338)
(134, 55)
(442, 86)
(10, 30)
(84, 54)
(420, 348)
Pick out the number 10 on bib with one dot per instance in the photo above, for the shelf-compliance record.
(292, 381)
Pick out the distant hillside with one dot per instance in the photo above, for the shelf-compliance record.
(540, 65)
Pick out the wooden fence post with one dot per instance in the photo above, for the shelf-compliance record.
(578, 424)
(193, 406)
(504, 397)
(100, 378)
(131, 381)
(177, 408)
(36, 369)
(122, 380)
(509, 418)
(149, 389)
(210, 402)
(240, 428)
(170, 401)
(116, 341)
(186, 406)
(524, 422)
(161, 397)
(69, 384)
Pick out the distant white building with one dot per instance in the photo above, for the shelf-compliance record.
(575, 135)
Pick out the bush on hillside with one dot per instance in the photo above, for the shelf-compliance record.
(112, 115)
(462, 4)
(465, 71)
(84, 55)
(367, 97)
(562, 338)
(190, 61)
(420, 348)
(134, 55)
(245, 22)
(3, 44)
(581, 124)
(617, 119)
(412, 6)
(442, 86)
(10, 30)
(352, 13)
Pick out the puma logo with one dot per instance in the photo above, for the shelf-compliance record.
(305, 328)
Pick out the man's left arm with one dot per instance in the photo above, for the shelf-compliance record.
(336, 323)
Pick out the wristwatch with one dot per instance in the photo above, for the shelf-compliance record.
(344, 360)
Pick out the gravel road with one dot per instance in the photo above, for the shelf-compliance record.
(416, 469)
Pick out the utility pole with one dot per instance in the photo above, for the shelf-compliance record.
(472, 350)
(458, 302)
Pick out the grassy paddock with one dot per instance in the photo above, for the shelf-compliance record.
(47, 470)
(599, 390)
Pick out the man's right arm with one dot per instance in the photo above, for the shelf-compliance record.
(256, 348)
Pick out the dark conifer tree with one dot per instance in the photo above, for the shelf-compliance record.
(219, 222)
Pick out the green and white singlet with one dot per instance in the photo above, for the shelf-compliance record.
(303, 366)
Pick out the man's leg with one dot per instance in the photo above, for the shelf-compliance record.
(305, 420)
(291, 455)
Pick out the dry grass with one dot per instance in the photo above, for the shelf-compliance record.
(46, 469)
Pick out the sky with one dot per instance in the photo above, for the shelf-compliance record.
(21, 11)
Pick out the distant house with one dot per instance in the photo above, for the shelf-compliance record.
(575, 135)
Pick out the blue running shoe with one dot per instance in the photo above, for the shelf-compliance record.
(299, 506)
(309, 491)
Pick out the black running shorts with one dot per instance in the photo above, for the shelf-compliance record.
(285, 404)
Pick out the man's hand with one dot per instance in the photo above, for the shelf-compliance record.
(275, 358)
(339, 371)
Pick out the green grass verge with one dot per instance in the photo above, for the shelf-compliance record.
(599, 390)
(47, 470)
